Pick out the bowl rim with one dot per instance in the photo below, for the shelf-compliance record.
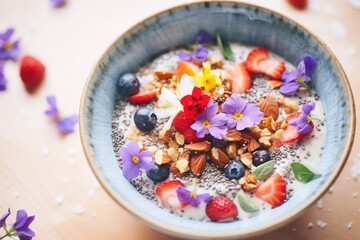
(174, 231)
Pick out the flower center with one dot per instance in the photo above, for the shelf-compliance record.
(193, 194)
(238, 115)
(8, 46)
(300, 79)
(206, 123)
(135, 159)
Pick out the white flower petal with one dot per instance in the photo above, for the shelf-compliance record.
(167, 125)
(186, 86)
(168, 98)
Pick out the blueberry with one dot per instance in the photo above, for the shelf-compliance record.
(128, 85)
(260, 156)
(145, 119)
(234, 170)
(158, 173)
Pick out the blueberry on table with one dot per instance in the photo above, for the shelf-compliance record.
(260, 156)
(145, 119)
(128, 85)
(159, 173)
(234, 170)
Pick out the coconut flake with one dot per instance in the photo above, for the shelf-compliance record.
(349, 225)
(310, 225)
(331, 189)
(59, 199)
(90, 194)
(355, 194)
(78, 209)
(319, 204)
(16, 194)
(321, 224)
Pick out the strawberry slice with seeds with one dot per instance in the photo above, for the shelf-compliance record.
(258, 62)
(182, 123)
(166, 191)
(32, 72)
(291, 134)
(142, 97)
(221, 208)
(239, 78)
(190, 136)
(185, 67)
(273, 190)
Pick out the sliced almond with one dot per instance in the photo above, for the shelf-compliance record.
(219, 158)
(165, 135)
(269, 106)
(265, 141)
(174, 170)
(179, 138)
(183, 165)
(265, 133)
(275, 84)
(152, 149)
(290, 106)
(197, 163)
(282, 124)
(163, 75)
(199, 146)
(231, 150)
(242, 150)
(173, 154)
(233, 135)
(278, 134)
(253, 145)
(161, 157)
(246, 159)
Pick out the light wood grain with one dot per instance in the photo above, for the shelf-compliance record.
(69, 41)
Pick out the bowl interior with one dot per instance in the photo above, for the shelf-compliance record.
(238, 22)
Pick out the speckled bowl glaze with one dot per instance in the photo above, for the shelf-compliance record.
(244, 23)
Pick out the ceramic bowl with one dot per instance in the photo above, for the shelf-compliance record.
(239, 22)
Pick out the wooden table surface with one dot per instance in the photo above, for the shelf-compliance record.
(48, 175)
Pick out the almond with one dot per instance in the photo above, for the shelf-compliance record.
(231, 150)
(199, 146)
(268, 123)
(253, 145)
(246, 159)
(161, 157)
(233, 135)
(219, 158)
(242, 150)
(265, 141)
(197, 163)
(183, 165)
(179, 138)
(173, 154)
(165, 135)
(269, 106)
(290, 107)
(174, 170)
(275, 84)
(163, 75)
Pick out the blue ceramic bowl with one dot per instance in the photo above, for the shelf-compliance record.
(244, 23)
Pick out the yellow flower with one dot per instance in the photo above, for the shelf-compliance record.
(207, 79)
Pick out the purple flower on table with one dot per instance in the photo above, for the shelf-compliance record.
(3, 80)
(186, 196)
(21, 225)
(240, 114)
(210, 122)
(293, 80)
(203, 37)
(134, 160)
(52, 110)
(58, 3)
(9, 49)
(200, 54)
(4, 217)
(302, 122)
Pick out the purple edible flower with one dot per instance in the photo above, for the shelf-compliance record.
(4, 217)
(302, 122)
(8, 49)
(293, 80)
(3, 80)
(133, 160)
(203, 37)
(58, 3)
(21, 225)
(240, 114)
(52, 110)
(210, 122)
(200, 54)
(185, 196)
(67, 125)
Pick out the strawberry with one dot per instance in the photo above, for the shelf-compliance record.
(142, 97)
(182, 123)
(32, 72)
(186, 67)
(239, 78)
(273, 190)
(291, 134)
(258, 62)
(221, 208)
(190, 136)
(166, 191)
(299, 4)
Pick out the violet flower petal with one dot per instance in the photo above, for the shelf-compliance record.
(194, 201)
(185, 56)
(24, 230)
(133, 147)
(218, 132)
(201, 54)
(289, 76)
(289, 88)
(308, 108)
(203, 37)
(218, 120)
(4, 217)
(3, 80)
(52, 110)
(21, 217)
(183, 194)
(7, 53)
(67, 125)
(125, 153)
(58, 3)
(233, 104)
(309, 63)
(130, 169)
(204, 197)
(301, 123)
(146, 163)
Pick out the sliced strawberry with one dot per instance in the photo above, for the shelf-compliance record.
(299, 4)
(272, 191)
(258, 62)
(32, 72)
(166, 191)
(182, 123)
(221, 208)
(190, 136)
(291, 134)
(142, 97)
(239, 78)
(186, 67)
